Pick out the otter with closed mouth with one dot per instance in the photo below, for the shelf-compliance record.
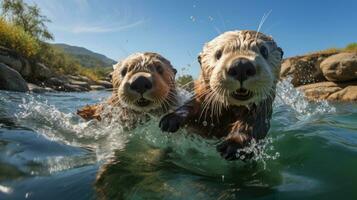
(234, 92)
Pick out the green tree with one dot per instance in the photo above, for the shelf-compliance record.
(185, 82)
(29, 17)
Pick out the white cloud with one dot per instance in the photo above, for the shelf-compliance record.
(104, 28)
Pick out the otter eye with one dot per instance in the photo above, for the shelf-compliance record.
(218, 54)
(264, 52)
(159, 69)
(123, 72)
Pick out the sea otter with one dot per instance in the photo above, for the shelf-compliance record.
(142, 83)
(234, 92)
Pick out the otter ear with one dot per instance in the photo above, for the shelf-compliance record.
(116, 65)
(281, 52)
(174, 70)
(199, 59)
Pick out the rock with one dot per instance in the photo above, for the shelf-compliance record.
(14, 60)
(11, 62)
(41, 72)
(81, 79)
(105, 84)
(55, 81)
(340, 67)
(11, 80)
(97, 87)
(349, 93)
(80, 83)
(37, 89)
(331, 91)
(26, 70)
(74, 88)
(303, 69)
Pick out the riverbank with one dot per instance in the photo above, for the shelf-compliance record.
(20, 74)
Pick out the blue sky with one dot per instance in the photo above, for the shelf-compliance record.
(179, 29)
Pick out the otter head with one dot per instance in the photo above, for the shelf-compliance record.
(240, 67)
(144, 82)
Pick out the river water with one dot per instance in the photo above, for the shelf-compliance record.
(47, 152)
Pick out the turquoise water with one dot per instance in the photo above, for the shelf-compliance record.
(47, 152)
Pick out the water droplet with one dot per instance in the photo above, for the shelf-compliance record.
(193, 19)
(204, 123)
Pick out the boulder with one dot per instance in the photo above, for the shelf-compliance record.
(331, 91)
(303, 69)
(340, 67)
(12, 62)
(11, 80)
(26, 70)
(97, 87)
(55, 81)
(41, 72)
(105, 84)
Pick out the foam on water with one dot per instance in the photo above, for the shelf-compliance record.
(107, 136)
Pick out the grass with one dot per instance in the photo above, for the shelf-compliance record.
(352, 47)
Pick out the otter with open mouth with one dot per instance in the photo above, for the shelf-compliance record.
(234, 92)
(142, 83)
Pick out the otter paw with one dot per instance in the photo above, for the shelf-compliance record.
(171, 122)
(229, 151)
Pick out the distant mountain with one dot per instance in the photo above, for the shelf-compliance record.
(86, 57)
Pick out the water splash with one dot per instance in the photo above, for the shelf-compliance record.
(287, 95)
(67, 128)
(262, 151)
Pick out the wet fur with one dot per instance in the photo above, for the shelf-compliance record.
(212, 112)
(163, 94)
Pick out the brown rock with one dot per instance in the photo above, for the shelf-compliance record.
(303, 69)
(105, 84)
(340, 67)
(331, 91)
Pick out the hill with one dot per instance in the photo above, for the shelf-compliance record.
(86, 58)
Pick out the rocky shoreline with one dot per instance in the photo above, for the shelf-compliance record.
(325, 75)
(19, 74)
(331, 76)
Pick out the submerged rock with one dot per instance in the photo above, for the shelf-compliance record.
(11, 80)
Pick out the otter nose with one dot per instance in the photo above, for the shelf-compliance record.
(141, 84)
(242, 69)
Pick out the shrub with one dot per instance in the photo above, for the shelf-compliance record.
(14, 37)
(351, 47)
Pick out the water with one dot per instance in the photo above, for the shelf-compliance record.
(47, 152)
